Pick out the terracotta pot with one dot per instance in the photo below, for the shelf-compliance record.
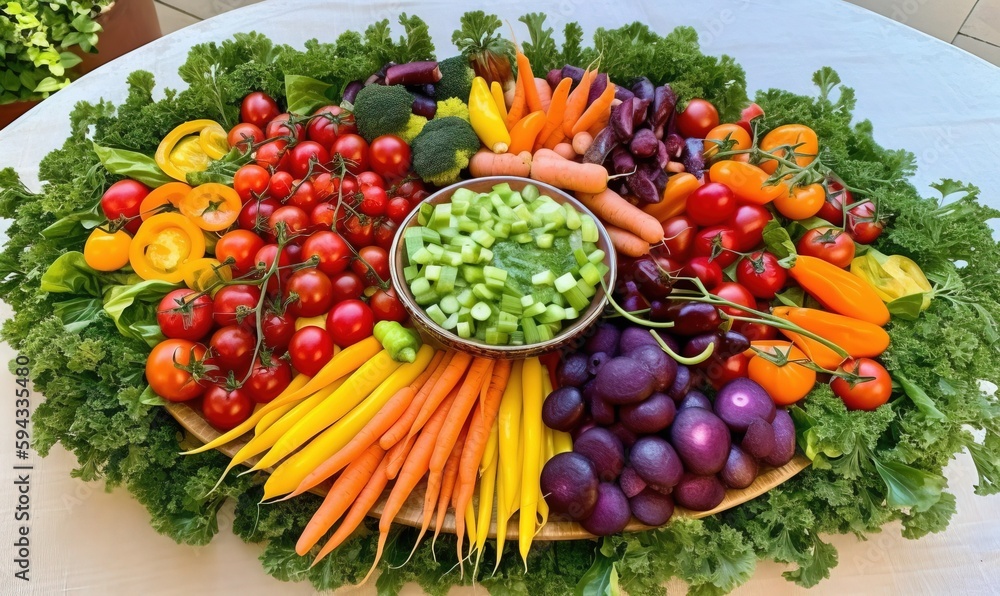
(128, 24)
(11, 111)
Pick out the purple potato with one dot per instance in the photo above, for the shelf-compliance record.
(643, 88)
(630, 482)
(639, 112)
(694, 318)
(650, 416)
(622, 119)
(584, 427)
(634, 337)
(675, 146)
(662, 157)
(601, 147)
(784, 440)
(596, 361)
(657, 363)
(611, 513)
(563, 409)
(624, 434)
(740, 401)
(651, 507)
(622, 93)
(699, 493)
(622, 161)
(643, 187)
(572, 72)
(643, 143)
(681, 385)
(554, 77)
(569, 483)
(656, 462)
(572, 370)
(604, 339)
(604, 450)
(694, 161)
(758, 441)
(623, 381)
(701, 439)
(424, 106)
(664, 101)
(740, 470)
(695, 399)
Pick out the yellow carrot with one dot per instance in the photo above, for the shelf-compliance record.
(531, 429)
(497, 92)
(487, 485)
(271, 417)
(562, 442)
(509, 463)
(345, 362)
(490, 454)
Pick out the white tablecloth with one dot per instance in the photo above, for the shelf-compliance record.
(922, 94)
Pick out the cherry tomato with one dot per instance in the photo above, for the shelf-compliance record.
(279, 126)
(836, 197)
(185, 314)
(366, 179)
(333, 253)
(711, 204)
(755, 331)
(864, 394)
(280, 186)
(357, 231)
(785, 381)
(254, 215)
(107, 251)
(328, 122)
(294, 220)
(833, 245)
(240, 246)
(408, 188)
(721, 371)
(386, 306)
(268, 380)
(322, 215)
(350, 322)
(236, 305)
(346, 286)
(294, 252)
(304, 155)
(734, 292)
(698, 119)
(123, 199)
(258, 108)
(802, 203)
(272, 155)
(397, 209)
(390, 156)
(706, 270)
(278, 330)
(373, 201)
(303, 196)
(250, 181)
(717, 243)
(864, 223)
(174, 369)
(678, 235)
(347, 187)
(314, 291)
(747, 223)
(264, 260)
(244, 135)
(310, 349)
(232, 347)
(733, 135)
(353, 148)
(372, 264)
(323, 186)
(761, 274)
(385, 231)
(225, 408)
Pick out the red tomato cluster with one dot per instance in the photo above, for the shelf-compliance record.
(335, 202)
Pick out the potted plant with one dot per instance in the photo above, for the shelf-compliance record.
(45, 44)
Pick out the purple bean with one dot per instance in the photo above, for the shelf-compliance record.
(601, 147)
(664, 100)
(622, 120)
(424, 106)
(351, 91)
(375, 79)
(413, 73)
(385, 67)
(642, 87)
(597, 87)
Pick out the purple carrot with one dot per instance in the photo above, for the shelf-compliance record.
(413, 73)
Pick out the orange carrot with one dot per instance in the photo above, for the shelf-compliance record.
(557, 107)
(340, 496)
(577, 102)
(402, 426)
(600, 125)
(397, 456)
(615, 210)
(448, 380)
(582, 141)
(518, 105)
(626, 242)
(478, 375)
(446, 488)
(365, 438)
(554, 139)
(531, 98)
(565, 150)
(487, 163)
(412, 471)
(524, 133)
(475, 444)
(544, 93)
(550, 167)
(596, 110)
(362, 505)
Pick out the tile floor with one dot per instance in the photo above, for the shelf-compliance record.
(973, 25)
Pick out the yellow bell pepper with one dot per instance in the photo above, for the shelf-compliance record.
(189, 148)
(163, 244)
(892, 276)
(485, 118)
(204, 273)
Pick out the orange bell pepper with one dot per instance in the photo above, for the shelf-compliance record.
(212, 207)
(163, 244)
(675, 195)
(747, 181)
(790, 134)
(856, 337)
(839, 290)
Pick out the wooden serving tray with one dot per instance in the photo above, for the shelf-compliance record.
(555, 529)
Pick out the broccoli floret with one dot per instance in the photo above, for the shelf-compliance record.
(382, 110)
(456, 78)
(442, 149)
(413, 127)
(453, 107)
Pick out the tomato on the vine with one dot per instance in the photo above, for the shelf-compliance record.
(264, 260)
(747, 223)
(322, 215)
(722, 371)
(717, 243)
(761, 274)
(390, 156)
(244, 135)
(310, 349)
(123, 200)
(107, 251)
(306, 155)
(369, 178)
(385, 231)
(314, 292)
(280, 185)
(333, 253)
(303, 196)
(272, 154)
(833, 245)
(254, 215)
(397, 209)
(358, 230)
(354, 149)
(408, 189)
(327, 123)
(698, 118)
(864, 224)
(241, 246)
(835, 199)
(678, 235)
(281, 126)
(737, 294)
(175, 369)
(869, 390)
(232, 347)
(277, 330)
(350, 322)
(235, 304)
(386, 306)
(706, 270)
(249, 181)
(711, 204)
(185, 314)
(346, 286)
(258, 108)
(372, 264)
(294, 220)
(268, 380)
(226, 408)
(373, 201)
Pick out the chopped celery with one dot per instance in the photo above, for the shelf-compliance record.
(543, 278)
(464, 330)
(481, 311)
(588, 230)
(483, 292)
(432, 272)
(570, 313)
(534, 310)
(494, 273)
(551, 314)
(411, 272)
(597, 256)
(565, 282)
(503, 190)
(573, 219)
(530, 193)
(436, 314)
(446, 281)
(580, 256)
(466, 298)
(590, 274)
(544, 240)
(530, 330)
(450, 322)
(510, 305)
(587, 290)
(519, 227)
(449, 304)
(576, 299)
(472, 274)
(423, 256)
(523, 238)
(484, 238)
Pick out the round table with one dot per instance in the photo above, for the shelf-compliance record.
(922, 94)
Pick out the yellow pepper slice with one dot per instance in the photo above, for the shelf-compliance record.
(214, 141)
(183, 150)
(163, 244)
(892, 276)
(201, 274)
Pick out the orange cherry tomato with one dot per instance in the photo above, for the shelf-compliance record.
(726, 134)
(747, 181)
(212, 207)
(107, 251)
(778, 373)
(801, 137)
(802, 203)
(159, 198)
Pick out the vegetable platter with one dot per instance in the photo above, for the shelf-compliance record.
(223, 255)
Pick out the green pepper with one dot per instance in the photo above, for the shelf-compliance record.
(401, 343)
(892, 276)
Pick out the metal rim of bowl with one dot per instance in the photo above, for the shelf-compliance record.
(567, 334)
